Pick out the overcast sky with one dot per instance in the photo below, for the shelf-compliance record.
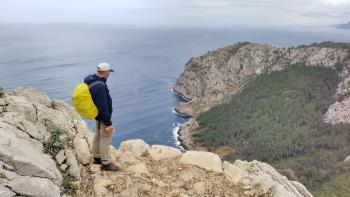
(178, 12)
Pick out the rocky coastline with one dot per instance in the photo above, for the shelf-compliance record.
(45, 151)
(212, 78)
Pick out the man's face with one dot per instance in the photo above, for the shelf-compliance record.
(107, 74)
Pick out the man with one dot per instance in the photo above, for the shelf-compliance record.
(104, 128)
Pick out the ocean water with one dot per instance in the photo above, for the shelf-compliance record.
(55, 58)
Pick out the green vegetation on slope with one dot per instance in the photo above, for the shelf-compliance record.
(55, 144)
(337, 186)
(277, 118)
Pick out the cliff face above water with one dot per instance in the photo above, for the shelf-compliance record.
(210, 78)
(37, 160)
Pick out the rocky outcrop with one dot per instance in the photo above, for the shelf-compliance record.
(27, 169)
(34, 186)
(212, 78)
(27, 120)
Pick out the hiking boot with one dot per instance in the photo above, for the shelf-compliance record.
(97, 161)
(110, 167)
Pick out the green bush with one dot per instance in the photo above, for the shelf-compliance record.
(336, 186)
(67, 185)
(277, 118)
(54, 145)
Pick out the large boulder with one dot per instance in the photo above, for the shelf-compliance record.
(206, 160)
(82, 150)
(60, 157)
(128, 157)
(26, 156)
(138, 169)
(136, 147)
(35, 130)
(159, 152)
(232, 173)
(34, 186)
(21, 105)
(65, 109)
(72, 163)
(53, 119)
(262, 179)
(6, 192)
(7, 174)
(33, 95)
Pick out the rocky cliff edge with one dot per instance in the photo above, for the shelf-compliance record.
(36, 160)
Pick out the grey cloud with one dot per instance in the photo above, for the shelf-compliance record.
(177, 12)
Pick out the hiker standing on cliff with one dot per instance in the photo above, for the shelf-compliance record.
(104, 128)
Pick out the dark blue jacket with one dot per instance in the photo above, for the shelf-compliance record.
(101, 97)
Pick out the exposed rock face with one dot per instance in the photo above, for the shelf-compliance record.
(206, 160)
(212, 78)
(82, 150)
(6, 192)
(262, 178)
(159, 152)
(26, 121)
(155, 170)
(33, 186)
(219, 73)
(25, 155)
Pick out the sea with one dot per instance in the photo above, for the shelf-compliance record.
(54, 58)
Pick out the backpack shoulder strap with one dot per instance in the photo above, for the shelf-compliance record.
(94, 83)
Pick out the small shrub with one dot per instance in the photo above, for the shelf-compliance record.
(67, 185)
(54, 144)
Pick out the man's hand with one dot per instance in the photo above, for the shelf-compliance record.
(110, 129)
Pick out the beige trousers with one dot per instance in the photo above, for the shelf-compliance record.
(102, 141)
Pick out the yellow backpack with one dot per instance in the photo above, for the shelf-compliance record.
(82, 101)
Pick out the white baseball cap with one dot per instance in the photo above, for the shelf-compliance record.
(104, 67)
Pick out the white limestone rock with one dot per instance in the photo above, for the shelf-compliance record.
(137, 147)
(128, 157)
(232, 173)
(82, 150)
(60, 157)
(34, 186)
(6, 192)
(206, 160)
(100, 185)
(160, 152)
(138, 169)
(263, 179)
(21, 105)
(26, 156)
(34, 130)
(9, 175)
(33, 95)
(72, 163)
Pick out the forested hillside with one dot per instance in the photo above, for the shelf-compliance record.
(277, 117)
